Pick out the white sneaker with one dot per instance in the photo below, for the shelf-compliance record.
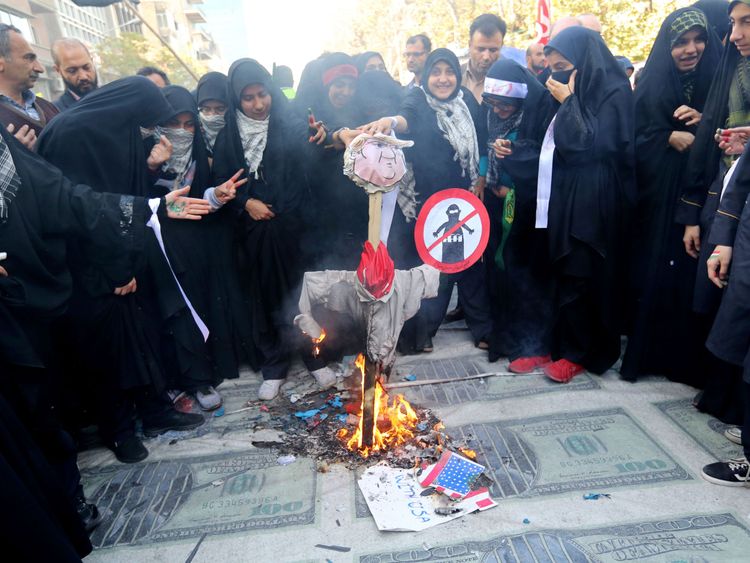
(269, 389)
(734, 434)
(208, 398)
(325, 377)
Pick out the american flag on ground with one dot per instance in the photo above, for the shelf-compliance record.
(452, 475)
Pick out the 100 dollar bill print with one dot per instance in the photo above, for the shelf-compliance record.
(177, 499)
(694, 538)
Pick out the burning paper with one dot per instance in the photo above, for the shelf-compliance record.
(395, 499)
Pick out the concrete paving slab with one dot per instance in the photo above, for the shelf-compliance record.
(211, 496)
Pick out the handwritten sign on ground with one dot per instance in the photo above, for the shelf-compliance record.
(398, 504)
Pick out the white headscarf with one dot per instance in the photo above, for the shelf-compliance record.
(454, 120)
(253, 134)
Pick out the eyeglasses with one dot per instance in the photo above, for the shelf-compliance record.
(206, 110)
(414, 54)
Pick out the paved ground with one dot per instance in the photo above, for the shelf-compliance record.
(212, 496)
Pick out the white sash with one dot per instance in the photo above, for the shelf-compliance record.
(156, 227)
(544, 180)
(728, 177)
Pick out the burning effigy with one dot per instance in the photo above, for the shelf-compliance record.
(378, 299)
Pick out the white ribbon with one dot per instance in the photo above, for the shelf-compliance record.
(386, 217)
(544, 181)
(498, 87)
(156, 227)
(728, 177)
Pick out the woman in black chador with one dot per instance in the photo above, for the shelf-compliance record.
(200, 254)
(520, 110)
(727, 106)
(448, 128)
(669, 100)
(337, 209)
(258, 138)
(116, 330)
(586, 176)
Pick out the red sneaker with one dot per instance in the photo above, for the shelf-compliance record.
(527, 365)
(563, 370)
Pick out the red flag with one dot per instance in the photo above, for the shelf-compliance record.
(543, 21)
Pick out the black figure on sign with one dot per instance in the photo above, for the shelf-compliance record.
(453, 245)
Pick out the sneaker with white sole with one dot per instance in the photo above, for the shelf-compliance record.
(325, 377)
(208, 398)
(732, 473)
(734, 434)
(269, 389)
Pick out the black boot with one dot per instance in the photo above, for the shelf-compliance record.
(170, 419)
(89, 513)
(130, 450)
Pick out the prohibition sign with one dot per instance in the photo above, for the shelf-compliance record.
(452, 230)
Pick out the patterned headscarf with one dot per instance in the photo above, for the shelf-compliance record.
(685, 22)
(689, 19)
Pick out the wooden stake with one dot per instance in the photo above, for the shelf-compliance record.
(372, 369)
(373, 225)
(450, 379)
(368, 403)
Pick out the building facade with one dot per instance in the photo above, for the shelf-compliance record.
(178, 22)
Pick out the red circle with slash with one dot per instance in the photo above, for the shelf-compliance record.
(448, 240)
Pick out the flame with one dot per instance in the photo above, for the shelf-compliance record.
(392, 426)
(471, 454)
(318, 340)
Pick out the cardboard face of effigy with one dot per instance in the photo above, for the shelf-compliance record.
(376, 163)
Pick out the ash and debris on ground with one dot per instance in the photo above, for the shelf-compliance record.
(304, 422)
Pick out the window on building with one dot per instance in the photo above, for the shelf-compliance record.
(162, 19)
(20, 22)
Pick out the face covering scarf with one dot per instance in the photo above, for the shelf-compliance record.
(211, 125)
(454, 121)
(253, 135)
(182, 149)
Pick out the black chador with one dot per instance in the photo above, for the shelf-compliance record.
(592, 186)
(662, 273)
(40, 212)
(267, 249)
(200, 254)
(517, 257)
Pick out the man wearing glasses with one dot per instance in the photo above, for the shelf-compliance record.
(417, 49)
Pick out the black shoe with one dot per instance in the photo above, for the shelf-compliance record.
(171, 419)
(130, 450)
(732, 473)
(453, 315)
(89, 514)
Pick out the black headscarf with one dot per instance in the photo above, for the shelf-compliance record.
(716, 12)
(313, 93)
(183, 101)
(599, 73)
(705, 155)
(360, 61)
(229, 155)
(378, 95)
(660, 87)
(211, 86)
(445, 55)
(536, 106)
(98, 141)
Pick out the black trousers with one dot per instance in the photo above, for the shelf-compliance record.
(473, 297)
